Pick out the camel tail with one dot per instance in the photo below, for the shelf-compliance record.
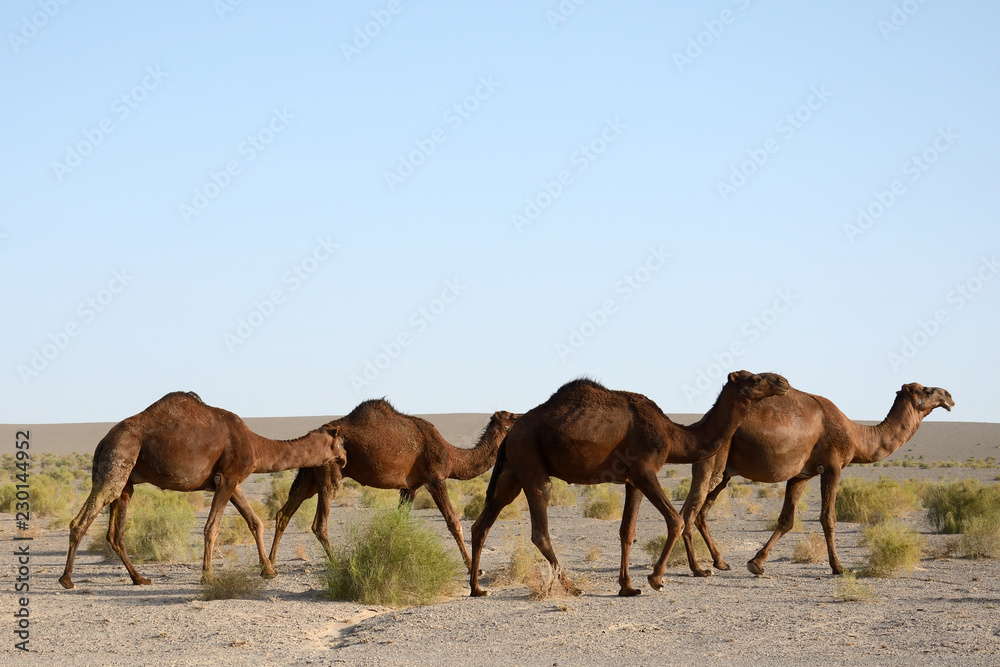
(501, 458)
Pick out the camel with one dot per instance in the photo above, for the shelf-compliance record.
(588, 434)
(390, 450)
(180, 443)
(793, 438)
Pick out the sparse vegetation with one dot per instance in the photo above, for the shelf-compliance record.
(562, 494)
(740, 491)
(233, 582)
(392, 559)
(378, 498)
(892, 548)
(981, 538)
(603, 501)
(234, 529)
(851, 589)
(867, 502)
(682, 489)
(475, 505)
(768, 491)
(158, 527)
(678, 553)
(810, 549)
(277, 494)
(951, 504)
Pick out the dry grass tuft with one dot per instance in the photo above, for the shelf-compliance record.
(851, 589)
(603, 501)
(810, 549)
(237, 582)
(892, 548)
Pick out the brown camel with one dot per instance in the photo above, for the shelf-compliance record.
(389, 450)
(793, 438)
(180, 443)
(587, 434)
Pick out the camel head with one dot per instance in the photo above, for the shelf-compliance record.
(757, 386)
(336, 443)
(924, 399)
(504, 419)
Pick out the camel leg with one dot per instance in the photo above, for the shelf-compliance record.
(116, 533)
(538, 506)
(256, 527)
(828, 515)
(505, 492)
(626, 533)
(439, 492)
(694, 506)
(406, 497)
(328, 490)
(224, 488)
(650, 487)
(701, 523)
(303, 488)
(793, 491)
(113, 462)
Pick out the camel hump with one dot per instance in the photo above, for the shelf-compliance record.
(371, 407)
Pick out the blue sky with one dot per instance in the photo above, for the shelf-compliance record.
(473, 203)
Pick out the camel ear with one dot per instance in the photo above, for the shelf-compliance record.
(736, 376)
(334, 431)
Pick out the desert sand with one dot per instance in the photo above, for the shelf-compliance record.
(945, 612)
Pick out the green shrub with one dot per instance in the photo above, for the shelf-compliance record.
(604, 501)
(951, 504)
(394, 560)
(234, 529)
(982, 536)
(378, 498)
(233, 582)
(678, 553)
(477, 503)
(158, 527)
(682, 490)
(892, 548)
(851, 589)
(562, 494)
(860, 501)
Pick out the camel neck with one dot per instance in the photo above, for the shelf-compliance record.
(469, 463)
(874, 443)
(309, 450)
(713, 431)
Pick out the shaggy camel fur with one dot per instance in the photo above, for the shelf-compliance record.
(389, 450)
(180, 443)
(796, 437)
(587, 434)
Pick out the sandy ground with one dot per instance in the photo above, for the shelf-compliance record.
(946, 612)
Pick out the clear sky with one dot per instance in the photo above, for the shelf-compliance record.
(291, 207)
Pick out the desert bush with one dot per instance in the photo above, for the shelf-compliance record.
(851, 589)
(233, 582)
(892, 548)
(158, 527)
(423, 500)
(678, 553)
(810, 549)
(682, 489)
(981, 538)
(772, 525)
(378, 498)
(768, 491)
(562, 494)
(951, 504)
(740, 491)
(392, 559)
(277, 494)
(604, 501)
(860, 501)
(475, 505)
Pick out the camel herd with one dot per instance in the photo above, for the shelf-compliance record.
(759, 428)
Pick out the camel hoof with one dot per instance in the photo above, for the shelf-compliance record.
(755, 567)
(141, 581)
(269, 574)
(66, 582)
(629, 592)
(478, 593)
(701, 573)
(836, 570)
(656, 583)
(722, 565)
